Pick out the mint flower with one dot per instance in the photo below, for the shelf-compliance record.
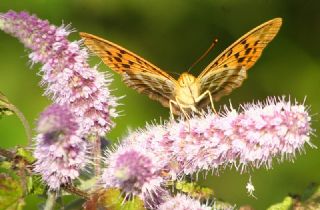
(251, 137)
(135, 172)
(59, 151)
(182, 202)
(65, 71)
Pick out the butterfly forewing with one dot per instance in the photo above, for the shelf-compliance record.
(136, 72)
(228, 70)
(220, 77)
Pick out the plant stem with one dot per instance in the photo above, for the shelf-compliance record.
(24, 122)
(51, 200)
(76, 191)
(97, 155)
(7, 154)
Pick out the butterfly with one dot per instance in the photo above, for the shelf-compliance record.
(225, 73)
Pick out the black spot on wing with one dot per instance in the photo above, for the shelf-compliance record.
(118, 59)
(127, 66)
(240, 60)
(248, 51)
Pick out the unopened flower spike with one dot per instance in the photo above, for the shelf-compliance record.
(68, 78)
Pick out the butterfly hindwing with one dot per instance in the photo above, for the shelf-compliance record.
(136, 72)
(228, 70)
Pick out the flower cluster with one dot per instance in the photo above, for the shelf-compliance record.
(60, 152)
(252, 137)
(144, 162)
(182, 202)
(136, 172)
(65, 71)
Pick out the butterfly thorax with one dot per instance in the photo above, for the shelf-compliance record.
(188, 89)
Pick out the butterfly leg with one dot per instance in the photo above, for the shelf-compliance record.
(171, 108)
(180, 107)
(207, 92)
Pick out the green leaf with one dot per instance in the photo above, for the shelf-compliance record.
(112, 199)
(35, 185)
(286, 204)
(11, 193)
(134, 204)
(5, 165)
(5, 106)
(26, 154)
(194, 190)
(310, 200)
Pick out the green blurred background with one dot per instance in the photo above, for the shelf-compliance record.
(172, 34)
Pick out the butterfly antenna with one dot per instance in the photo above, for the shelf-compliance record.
(204, 54)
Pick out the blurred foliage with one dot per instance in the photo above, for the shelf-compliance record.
(172, 34)
(193, 190)
(5, 106)
(112, 199)
(11, 193)
(309, 200)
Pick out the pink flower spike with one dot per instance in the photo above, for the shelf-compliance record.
(252, 137)
(134, 171)
(65, 72)
(60, 152)
(182, 202)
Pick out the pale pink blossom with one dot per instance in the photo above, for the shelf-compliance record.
(60, 152)
(68, 78)
(182, 202)
(250, 137)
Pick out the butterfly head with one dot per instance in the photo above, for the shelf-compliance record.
(186, 79)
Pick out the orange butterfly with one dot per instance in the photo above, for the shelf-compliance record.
(219, 78)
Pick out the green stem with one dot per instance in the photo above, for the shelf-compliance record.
(7, 154)
(24, 122)
(51, 200)
(76, 191)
